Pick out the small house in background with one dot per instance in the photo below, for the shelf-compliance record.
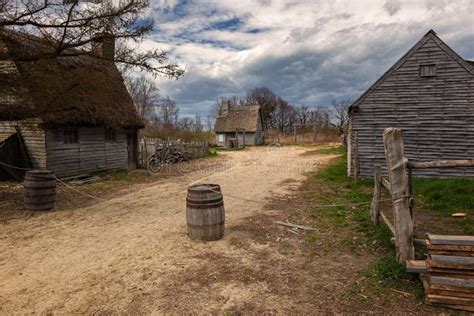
(239, 126)
(429, 95)
(74, 114)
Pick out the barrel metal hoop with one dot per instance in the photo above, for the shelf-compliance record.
(188, 200)
(201, 226)
(204, 206)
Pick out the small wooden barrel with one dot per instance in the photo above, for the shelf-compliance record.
(205, 213)
(40, 190)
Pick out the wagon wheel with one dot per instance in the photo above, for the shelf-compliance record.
(154, 165)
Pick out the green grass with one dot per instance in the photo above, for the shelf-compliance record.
(327, 151)
(447, 196)
(386, 273)
(213, 152)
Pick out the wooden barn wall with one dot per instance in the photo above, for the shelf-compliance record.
(435, 114)
(91, 153)
(33, 136)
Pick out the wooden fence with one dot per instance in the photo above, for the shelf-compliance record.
(399, 184)
(148, 145)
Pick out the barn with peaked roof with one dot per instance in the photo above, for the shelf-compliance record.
(429, 95)
(74, 113)
(243, 123)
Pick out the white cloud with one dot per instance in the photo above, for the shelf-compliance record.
(306, 51)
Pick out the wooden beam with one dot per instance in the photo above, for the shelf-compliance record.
(387, 222)
(416, 266)
(375, 207)
(442, 164)
(451, 240)
(386, 184)
(403, 224)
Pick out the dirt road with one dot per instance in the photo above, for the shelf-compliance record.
(131, 253)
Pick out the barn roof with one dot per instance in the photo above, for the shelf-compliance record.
(243, 117)
(466, 64)
(75, 90)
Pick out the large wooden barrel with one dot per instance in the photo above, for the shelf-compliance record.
(40, 190)
(205, 213)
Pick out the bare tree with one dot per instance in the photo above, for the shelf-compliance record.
(198, 127)
(303, 114)
(145, 95)
(167, 115)
(282, 117)
(266, 99)
(340, 116)
(72, 27)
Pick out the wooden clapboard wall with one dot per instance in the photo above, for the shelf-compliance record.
(91, 153)
(435, 114)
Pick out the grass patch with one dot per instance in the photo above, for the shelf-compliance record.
(340, 150)
(385, 273)
(447, 196)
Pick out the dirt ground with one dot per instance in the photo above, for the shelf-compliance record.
(129, 253)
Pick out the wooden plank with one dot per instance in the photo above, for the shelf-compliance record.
(396, 163)
(375, 207)
(451, 240)
(465, 261)
(452, 266)
(466, 283)
(416, 266)
(430, 246)
(442, 164)
(387, 222)
(452, 300)
(386, 184)
(452, 293)
(444, 287)
(444, 268)
(451, 253)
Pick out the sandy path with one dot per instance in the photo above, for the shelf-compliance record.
(113, 255)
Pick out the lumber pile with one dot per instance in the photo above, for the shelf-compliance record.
(448, 272)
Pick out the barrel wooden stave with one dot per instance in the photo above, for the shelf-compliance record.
(40, 190)
(205, 214)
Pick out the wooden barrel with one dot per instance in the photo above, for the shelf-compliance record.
(205, 213)
(40, 190)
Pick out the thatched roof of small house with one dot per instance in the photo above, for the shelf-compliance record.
(76, 90)
(239, 118)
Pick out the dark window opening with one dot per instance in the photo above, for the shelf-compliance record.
(70, 136)
(110, 135)
(428, 70)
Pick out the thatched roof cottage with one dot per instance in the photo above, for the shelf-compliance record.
(74, 114)
(243, 124)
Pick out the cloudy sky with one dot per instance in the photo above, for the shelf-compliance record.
(309, 52)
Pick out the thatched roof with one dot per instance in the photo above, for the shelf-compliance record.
(78, 90)
(243, 117)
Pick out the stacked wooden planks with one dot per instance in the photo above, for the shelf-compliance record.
(449, 276)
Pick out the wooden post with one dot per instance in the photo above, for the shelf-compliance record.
(356, 156)
(375, 208)
(397, 170)
(314, 133)
(294, 132)
(410, 190)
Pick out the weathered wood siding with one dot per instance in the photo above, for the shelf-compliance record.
(33, 136)
(435, 114)
(91, 153)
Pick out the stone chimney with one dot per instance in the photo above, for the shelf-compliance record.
(104, 46)
(224, 109)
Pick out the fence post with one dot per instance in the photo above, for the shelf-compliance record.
(397, 170)
(375, 208)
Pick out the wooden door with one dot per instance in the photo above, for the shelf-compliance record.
(132, 149)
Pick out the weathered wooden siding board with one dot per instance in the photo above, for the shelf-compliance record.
(435, 114)
(92, 153)
(33, 136)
